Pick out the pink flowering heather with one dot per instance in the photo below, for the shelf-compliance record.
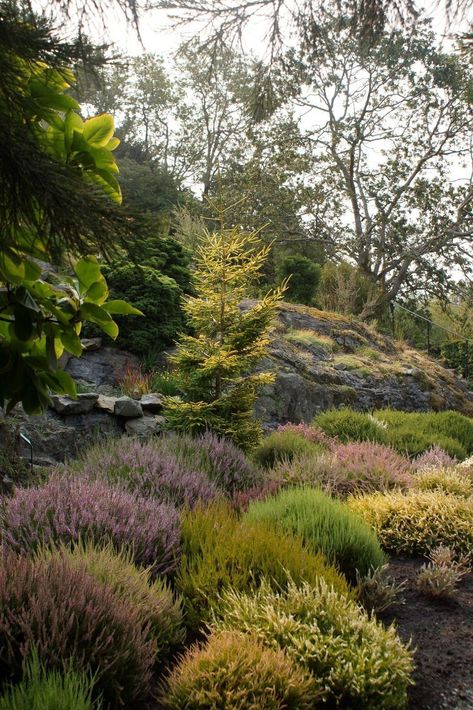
(433, 458)
(73, 621)
(314, 434)
(150, 470)
(375, 466)
(67, 509)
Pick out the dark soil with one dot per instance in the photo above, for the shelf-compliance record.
(442, 634)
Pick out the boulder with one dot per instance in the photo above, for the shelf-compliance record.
(144, 426)
(106, 403)
(67, 406)
(127, 407)
(151, 402)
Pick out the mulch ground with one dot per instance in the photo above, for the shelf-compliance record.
(442, 634)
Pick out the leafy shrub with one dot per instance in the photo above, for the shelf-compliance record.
(283, 445)
(414, 523)
(159, 612)
(149, 469)
(236, 672)
(348, 425)
(434, 457)
(67, 509)
(74, 622)
(304, 278)
(223, 462)
(221, 551)
(325, 525)
(49, 690)
(440, 576)
(377, 590)
(444, 480)
(356, 662)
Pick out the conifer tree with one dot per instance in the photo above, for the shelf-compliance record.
(216, 364)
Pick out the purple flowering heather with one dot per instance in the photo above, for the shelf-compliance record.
(375, 464)
(150, 470)
(433, 458)
(314, 434)
(67, 509)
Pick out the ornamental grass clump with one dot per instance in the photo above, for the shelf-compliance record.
(284, 446)
(148, 469)
(415, 522)
(160, 613)
(325, 525)
(68, 509)
(220, 551)
(222, 462)
(236, 671)
(356, 663)
(49, 690)
(74, 623)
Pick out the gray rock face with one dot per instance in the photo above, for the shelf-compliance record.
(67, 406)
(151, 402)
(144, 426)
(127, 407)
(101, 370)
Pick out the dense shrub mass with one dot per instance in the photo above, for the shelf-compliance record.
(236, 672)
(348, 425)
(414, 523)
(325, 525)
(412, 441)
(444, 480)
(224, 463)
(314, 434)
(221, 551)
(73, 621)
(435, 457)
(159, 612)
(284, 445)
(149, 470)
(67, 509)
(49, 690)
(356, 662)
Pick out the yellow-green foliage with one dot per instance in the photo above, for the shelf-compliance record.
(157, 607)
(414, 523)
(310, 339)
(326, 525)
(220, 551)
(236, 672)
(445, 480)
(355, 661)
(284, 446)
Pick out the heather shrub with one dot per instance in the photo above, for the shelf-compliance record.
(412, 442)
(444, 480)
(159, 612)
(453, 425)
(224, 463)
(373, 466)
(348, 425)
(377, 590)
(325, 525)
(49, 690)
(415, 522)
(236, 671)
(271, 484)
(67, 509)
(221, 551)
(149, 470)
(435, 457)
(307, 431)
(284, 446)
(356, 663)
(74, 623)
(440, 576)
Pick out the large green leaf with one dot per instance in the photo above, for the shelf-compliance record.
(98, 315)
(121, 308)
(98, 130)
(73, 122)
(71, 342)
(88, 272)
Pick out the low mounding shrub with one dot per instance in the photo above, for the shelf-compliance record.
(410, 441)
(433, 458)
(356, 663)
(149, 470)
(236, 672)
(444, 480)
(414, 523)
(348, 425)
(49, 690)
(312, 433)
(454, 425)
(440, 576)
(160, 613)
(220, 551)
(325, 525)
(74, 623)
(284, 445)
(68, 509)
(224, 463)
